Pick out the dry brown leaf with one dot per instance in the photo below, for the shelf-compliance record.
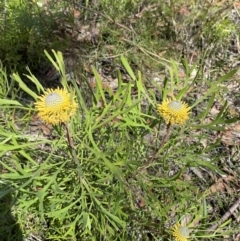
(214, 111)
(237, 237)
(222, 185)
(236, 4)
(231, 137)
(184, 10)
(186, 177)
(141, 202)
(181, 74)
(37, 125)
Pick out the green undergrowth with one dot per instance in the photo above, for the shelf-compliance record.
(158, 29)
(109, 190)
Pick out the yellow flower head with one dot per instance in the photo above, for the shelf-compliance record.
(174, 111)
(56, 106)
(180, 233)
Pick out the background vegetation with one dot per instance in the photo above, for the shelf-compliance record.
(120, 59)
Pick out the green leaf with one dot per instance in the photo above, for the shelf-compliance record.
(99, 87)
(214, 86)
(9, 102)
(41, 195)
(206, 164)
(127, 67)
(35, 81)
(24, 87)
(5, 191)
(6, 147)
(51, 59)
(15, 176)
(204, 114)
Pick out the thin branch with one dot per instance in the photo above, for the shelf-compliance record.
(226, 215)
(146, 164)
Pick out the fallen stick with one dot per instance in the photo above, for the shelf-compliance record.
(226, 215)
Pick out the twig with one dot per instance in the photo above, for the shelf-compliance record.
(146, 164)
(235, 8)
(226, 215)
(35, 238)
